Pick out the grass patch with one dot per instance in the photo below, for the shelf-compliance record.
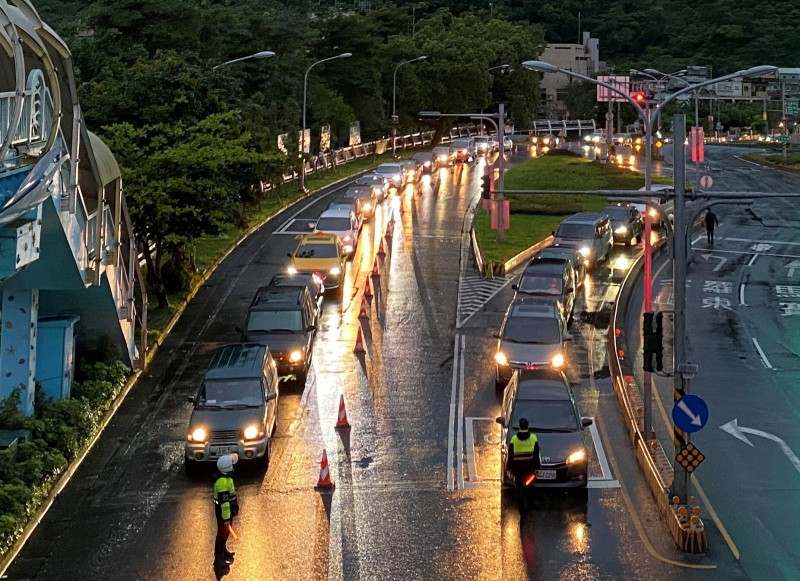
(535, 216)
(791, 160)
(208, 249)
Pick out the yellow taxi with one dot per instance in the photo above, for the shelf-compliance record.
(322, 255)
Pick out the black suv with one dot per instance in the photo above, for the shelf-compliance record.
(285, 320)
(626, 224)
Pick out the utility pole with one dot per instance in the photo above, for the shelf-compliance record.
(681, 482)
(499, 198)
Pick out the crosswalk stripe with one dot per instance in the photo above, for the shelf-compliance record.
(474, 292)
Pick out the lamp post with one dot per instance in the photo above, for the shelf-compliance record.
(681, 482)
(259, 55)
(394, 100)
(303, 144)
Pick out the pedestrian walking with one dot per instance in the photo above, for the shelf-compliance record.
(226, 506)
(711, 222)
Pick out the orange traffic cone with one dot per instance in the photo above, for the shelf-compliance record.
(368, 289)
(363, 313)
(381, 250)
(359, 347)
(324, 472)
(342, 422)
(375, 268)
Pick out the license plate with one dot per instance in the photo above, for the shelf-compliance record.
(546, 474)
(222, 450)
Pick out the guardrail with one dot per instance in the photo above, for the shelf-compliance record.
(687, 529)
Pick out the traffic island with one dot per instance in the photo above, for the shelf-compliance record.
(682, 518)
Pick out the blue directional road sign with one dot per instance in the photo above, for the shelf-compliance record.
(690, 413)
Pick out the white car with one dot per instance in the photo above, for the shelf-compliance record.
(663, 200)
(393, 172)
(343, 223)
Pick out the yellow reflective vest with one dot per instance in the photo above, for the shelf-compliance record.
(225, 503)
(524, 449)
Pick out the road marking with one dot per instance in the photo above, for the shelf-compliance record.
(778, 242)
(294, 216)
(737, 431)
(764, 359)
(451, 426)
(792, 266)
(753, 259)
(721, 259)
(460, 443)
(474, 291)
(601, 453)
(472, 471)
(740, 158)
(758, 253)
(696, 240)
(741, 295)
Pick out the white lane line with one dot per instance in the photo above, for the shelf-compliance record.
(600, 483)
(764, 359)
(460, 435)
(460, 442)
(740, 158)
(282, 228)
(741, 295)
(472, 471)
(601, 453)
(696, 240)
(753, 259)
(761, 253)
(451, 425)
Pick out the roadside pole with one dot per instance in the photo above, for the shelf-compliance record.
(647, 378)
(499, 198)
(681, 482)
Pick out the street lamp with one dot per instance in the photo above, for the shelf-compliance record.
(506, 68)
(259, 55)
(344, 55)
(394, 99)
(679, 240)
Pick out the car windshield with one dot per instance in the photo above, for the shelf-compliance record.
(580, 231)
(316, 251)
(441, 150)
(545, 415)
(261, 321)
(539, 331)
(461, 143)
(564, 254)
(617, 212)
(370, 180)
(331, 224)
(228, 393)
(389, 169)
(357, 193)
(541, 285)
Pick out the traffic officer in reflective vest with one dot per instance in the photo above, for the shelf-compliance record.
(226, 506)
(523, 453)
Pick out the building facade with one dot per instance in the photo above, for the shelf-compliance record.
(581, 58)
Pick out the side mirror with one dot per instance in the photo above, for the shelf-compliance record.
(586, 422)
(515, 287)
(190, 399)
(272, 395)
(496, 335)
(501, 420)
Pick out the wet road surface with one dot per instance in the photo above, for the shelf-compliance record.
(416, 475)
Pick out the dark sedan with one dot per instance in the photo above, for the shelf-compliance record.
(626, 224)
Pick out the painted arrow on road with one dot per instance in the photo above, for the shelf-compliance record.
(721, 260)
(792, 266)
(737, 431)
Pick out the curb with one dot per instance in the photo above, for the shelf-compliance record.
(770, 164)
(62, 481)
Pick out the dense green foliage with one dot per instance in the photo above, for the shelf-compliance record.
(59, 431)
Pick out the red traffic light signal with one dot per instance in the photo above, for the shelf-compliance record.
(639, 97)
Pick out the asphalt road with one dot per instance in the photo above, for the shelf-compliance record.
(743, 332)
(416, 494)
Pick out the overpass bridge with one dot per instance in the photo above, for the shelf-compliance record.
(67, 248)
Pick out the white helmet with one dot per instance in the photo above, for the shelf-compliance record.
(225, 463)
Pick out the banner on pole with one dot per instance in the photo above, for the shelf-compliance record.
(304, 139)
(697, 144)
(282, 142)
(325, 138)
(496, 209)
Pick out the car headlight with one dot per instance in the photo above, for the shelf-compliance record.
(295, 356)
(396, 177)
(619, 159)
(427, 164)
(348, 248)
(576, 457)
(319, 279)
(368, 207)
(653, 213)
(347, 238)
(252, 432)
(197, 435)
(632, 160)
(501, 358)
(585, 251)
(442, 158)
(621, 230)
(291, 270)
(621, 263)
(557, 361)
(335, 271)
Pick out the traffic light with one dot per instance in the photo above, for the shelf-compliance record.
(486, 185)
(639, 97)
(653, 348)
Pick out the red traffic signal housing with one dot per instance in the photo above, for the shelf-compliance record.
(639, 97)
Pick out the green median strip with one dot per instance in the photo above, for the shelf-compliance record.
(535, 216)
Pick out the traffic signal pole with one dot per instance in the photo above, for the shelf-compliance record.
(499, 198)
(681, 482)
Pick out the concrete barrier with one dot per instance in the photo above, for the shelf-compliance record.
(525, 255)
(688, 535)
